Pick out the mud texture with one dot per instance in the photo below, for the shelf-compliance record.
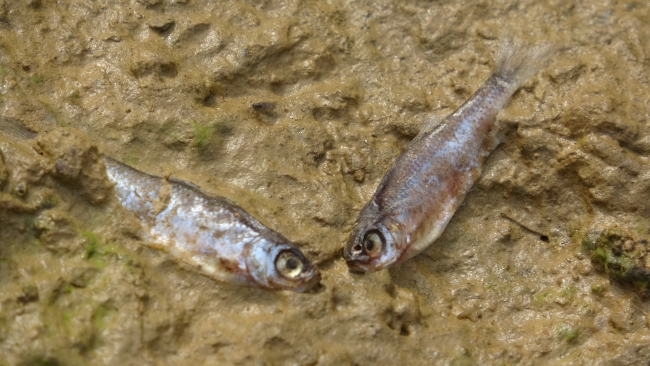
(295, 110)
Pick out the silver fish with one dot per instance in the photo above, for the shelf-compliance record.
(218, 237)
(420, 193)
(211, 233)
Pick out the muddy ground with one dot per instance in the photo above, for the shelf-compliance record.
(543, 264)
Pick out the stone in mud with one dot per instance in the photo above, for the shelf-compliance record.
(620, 256)
(76, 161)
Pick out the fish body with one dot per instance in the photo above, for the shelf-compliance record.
(420, 193)
(221, 239)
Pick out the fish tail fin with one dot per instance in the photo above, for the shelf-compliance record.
(16, 130)
(516, 61)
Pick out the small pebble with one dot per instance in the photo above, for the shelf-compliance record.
(21, 189)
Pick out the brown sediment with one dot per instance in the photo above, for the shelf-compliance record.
(168, 86)
(76, 162)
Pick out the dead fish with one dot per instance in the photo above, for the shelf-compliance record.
(420, 193)
(211, 233)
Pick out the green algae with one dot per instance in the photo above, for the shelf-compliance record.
(567, 332)
(92, 245)
(97, 253)
(568, 292)
(620, 257)
(67, 316)
(202, 135)
(37, 80)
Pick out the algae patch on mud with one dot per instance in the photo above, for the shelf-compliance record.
(621, 257)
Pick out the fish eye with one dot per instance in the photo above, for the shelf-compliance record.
(373, 243)
(289, 264)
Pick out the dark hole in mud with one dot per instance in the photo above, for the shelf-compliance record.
(210, 100)
(168, 70)
(404, 331)
(543, 238)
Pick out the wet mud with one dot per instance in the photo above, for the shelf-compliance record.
(295, 110)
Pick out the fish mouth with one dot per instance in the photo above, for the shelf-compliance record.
(366, 264)
(315, 279)
(357, 266)
(308, 283)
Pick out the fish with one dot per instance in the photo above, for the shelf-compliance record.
(421, 191)
(210, 233)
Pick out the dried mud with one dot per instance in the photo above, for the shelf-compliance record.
(295, 110)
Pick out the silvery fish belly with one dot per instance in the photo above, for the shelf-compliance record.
(211, 233)
(420, 193)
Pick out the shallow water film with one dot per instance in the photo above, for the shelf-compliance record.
(295, 110)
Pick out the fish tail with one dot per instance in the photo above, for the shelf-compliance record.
(516, 61)
(16, 130)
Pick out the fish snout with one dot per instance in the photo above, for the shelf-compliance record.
(309, 283)
(358, 264)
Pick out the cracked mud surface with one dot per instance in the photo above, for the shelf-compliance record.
(295, 110)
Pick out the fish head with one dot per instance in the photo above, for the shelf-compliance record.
(280, 265)
(375, 243)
